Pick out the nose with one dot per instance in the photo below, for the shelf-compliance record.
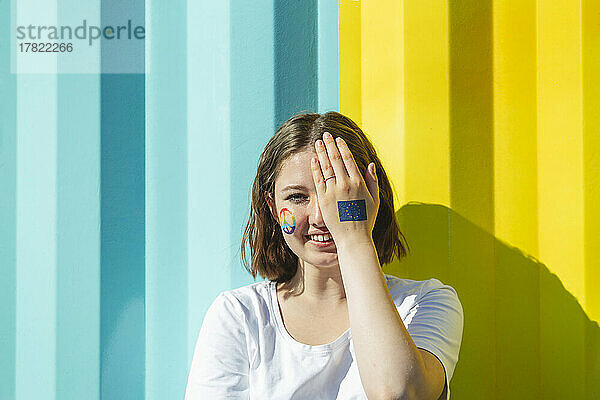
(316, 218)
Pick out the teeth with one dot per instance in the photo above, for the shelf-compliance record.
(321, 238)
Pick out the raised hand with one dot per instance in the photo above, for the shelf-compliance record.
(348, 204)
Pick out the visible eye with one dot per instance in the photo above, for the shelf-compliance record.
(296, 198)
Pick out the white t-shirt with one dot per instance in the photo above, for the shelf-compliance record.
(244, 351)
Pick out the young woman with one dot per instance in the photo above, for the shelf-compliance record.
(327, 323)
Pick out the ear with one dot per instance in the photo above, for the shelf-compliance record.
(271, 204)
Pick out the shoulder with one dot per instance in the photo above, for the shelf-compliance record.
(401, 287)
(249, 293)
(245, 303)
(408, 293)
(236, 316)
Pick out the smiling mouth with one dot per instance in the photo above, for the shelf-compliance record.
(320, 240)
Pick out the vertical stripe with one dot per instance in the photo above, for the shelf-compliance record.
(295, 47)
(252, 113)
(78, 237)
(8, 207)
(591, 181)
(560, 194)
(382, 87)
(560, 142)
(426, 121)
(471, 257)
(350, 59)
(78, 218)
(472, 172)
(122, 314)
(591, 156)
(471, 129)
(208, 159)
(122, 237)
(515, 194)
(166, 200)
(36, 237)
(515, 118)
(328, 56)
(36, 242)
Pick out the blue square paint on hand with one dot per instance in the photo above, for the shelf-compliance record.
(352, 210)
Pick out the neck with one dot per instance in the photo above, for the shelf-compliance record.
(316, 285)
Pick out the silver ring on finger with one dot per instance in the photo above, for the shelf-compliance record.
(329, 177)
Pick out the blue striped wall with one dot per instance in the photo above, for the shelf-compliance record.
(125, 195)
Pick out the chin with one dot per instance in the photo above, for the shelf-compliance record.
(325, 262)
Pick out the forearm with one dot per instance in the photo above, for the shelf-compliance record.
(389, 363)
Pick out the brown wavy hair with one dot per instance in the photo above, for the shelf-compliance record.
(270, 256)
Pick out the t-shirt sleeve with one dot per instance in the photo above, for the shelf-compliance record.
(435, 324)
(220, 364)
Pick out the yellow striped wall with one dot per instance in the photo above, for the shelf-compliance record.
(486, 116)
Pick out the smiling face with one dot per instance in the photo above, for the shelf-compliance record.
(295, 191)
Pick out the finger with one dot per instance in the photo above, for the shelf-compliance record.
(335, 158)
(317, 176)
(324, 163)
(372, 184)
(348, 158)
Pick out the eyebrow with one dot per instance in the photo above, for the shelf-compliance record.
(294, 187)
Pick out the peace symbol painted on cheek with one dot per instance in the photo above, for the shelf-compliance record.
(287, 221)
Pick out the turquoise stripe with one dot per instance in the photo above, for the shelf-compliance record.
(296, 75)
(328, 60)
(252, 114)
(122, 312)
(209, 131)
(166, 200)
(8, 207)
(36, 237)
(78, 230)
(78, 222)
(122, 293)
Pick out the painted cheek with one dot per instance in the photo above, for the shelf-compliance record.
(287, 221)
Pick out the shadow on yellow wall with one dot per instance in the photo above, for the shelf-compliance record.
(525, 336)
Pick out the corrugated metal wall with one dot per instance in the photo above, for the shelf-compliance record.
(124, 196)
(486, 117)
